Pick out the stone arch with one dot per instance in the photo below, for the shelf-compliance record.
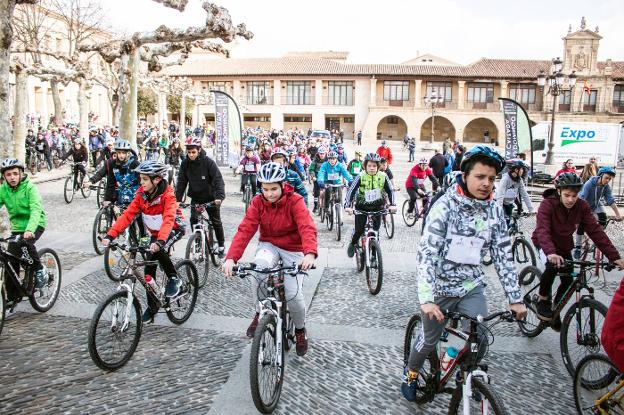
(444, 129)
(475, 131)
(391, 127)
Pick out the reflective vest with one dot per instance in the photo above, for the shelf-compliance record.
(368, 183)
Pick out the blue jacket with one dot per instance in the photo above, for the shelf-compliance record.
(336, 172)
(594, 194)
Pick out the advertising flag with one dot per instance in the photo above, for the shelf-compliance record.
(228, 127)
(518, 136)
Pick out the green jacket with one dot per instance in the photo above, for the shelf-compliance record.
(24, 206)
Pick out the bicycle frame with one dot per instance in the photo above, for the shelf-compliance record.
(204, 225)
(369, 232)
(5, 259)
(607, 396)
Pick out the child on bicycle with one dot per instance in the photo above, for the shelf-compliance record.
(80, 155)
(292, 177)
(332, 172)
(463, 225)
(510, 187)
(155, 201)
(558, 216)
(287, 232)
(250, 164)
(415, 183)
(23, 202)
(368, 193)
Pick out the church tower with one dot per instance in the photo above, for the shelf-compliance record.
(580, 50)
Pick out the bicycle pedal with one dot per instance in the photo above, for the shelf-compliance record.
(484, 367)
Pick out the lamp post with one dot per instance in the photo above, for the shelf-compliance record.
(433, 99)
(555, 87)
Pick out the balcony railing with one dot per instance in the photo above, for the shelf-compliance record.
(487, 106)
(589, 108)
(266, 100)
(617, 107)
(297, 100)
(409, 103)
(338, 101)
(564, 107)
(536, 106)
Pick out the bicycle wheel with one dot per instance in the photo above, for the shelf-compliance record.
(595, 376)
(115, 262)
(580, 331)
(181, 307)
(523, 253)
(68, 190)
(266, 375)
(100, 193)
(2, 305)
(195, 255)
(32, 165)
(210, 244)
(112, 343)
(529, 279)
(329, 218)
(338, 221)
(409, 218)
(102, 223)
(426, 374)
(247, 197)
(86, 191)
(374, 271)
(388, 223)
(483, 400)
(360, 259)
(42, 299)
(289, 329)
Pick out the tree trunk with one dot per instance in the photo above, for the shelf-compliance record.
(58, 106)
(83, 111)
(162, 110)
(6, 35)
(183, 115)
(21, 108)
(116, 108)
(128, 100)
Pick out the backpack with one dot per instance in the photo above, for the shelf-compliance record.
(449, 159)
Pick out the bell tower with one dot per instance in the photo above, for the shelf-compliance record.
(580, 50)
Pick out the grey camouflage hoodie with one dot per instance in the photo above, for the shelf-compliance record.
(456, 214)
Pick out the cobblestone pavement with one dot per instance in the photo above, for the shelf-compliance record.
(355, 360)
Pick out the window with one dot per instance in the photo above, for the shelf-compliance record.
(523, 93)
(565, 98)
(392, 120)
(480, 92)
(257, 119)
(618, 98)
(300, 118)
(348, 120)
(258, 92)
(589, 100)
(441, 88)
(396, 91)
(299, 93)
(340, 92)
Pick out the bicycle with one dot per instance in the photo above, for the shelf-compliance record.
(410, 218)
(589, 251)
(387, 221)
(368, 253)
(100, 189)
(104, 219)
(119, 316)
(41, 299)
(202, 244)
(333, 213)
(582, 324)
(247, 193)
(473, 392)
(71, 188)
(274, 335)
(521, 250)
(598, 386)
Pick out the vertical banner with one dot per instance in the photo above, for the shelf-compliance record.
(518, 136)
(228, 128)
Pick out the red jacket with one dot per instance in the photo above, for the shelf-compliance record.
(556, 224)
(418, 174)
(385, 153)
(286, 224)
(160, 215)
(613, 329)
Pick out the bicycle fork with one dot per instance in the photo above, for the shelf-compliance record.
(467, 391)
(274, 308)
(130, 298)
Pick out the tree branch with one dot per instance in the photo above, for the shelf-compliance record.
(179, 5)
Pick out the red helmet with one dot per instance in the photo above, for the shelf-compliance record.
(192, 141)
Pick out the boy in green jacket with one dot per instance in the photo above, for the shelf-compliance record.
(27, 217)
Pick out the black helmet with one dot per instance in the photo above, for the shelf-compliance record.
(568, 179)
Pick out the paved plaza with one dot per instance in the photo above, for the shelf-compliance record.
(354, 364)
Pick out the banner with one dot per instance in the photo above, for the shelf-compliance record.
(518, 136)
(228, 129)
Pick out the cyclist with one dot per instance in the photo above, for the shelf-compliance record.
(355, 166)
(332, 172)
(287, 232)
(80, 155)
(23, 202)
(175, 153)
(612, 336)
(342, 155)
(42, 146)
(368, 193)
(415, 183)
(155, 201)
(294, 164)
(385, 151)
(96, 142)
(250, 164)
(383, 167)
(595, 192)
(205, 184)
(461, 227)
(291, 177)
(558, 216)
(510, 187)
(319, 158)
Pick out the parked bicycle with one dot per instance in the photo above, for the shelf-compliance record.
(368, 253)
(116, 326)
(41, 299)
(73, 186)
(274, 335)
(473, 392)
(521, 249)
(201, 247)
(598, 387)
(582, 324)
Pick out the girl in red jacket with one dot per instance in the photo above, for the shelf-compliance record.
(156, 202)
(287, 232)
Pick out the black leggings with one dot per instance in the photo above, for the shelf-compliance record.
(163, 258)
(253, 181)
(79, 168)
(214, 213)
(413, 195)
(25, 249)
(360, 225)
(548, 278)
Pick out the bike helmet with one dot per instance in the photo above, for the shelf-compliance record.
(449, 179)
(272, 173)
(606, 170)
(152, 168)
(568, 179)
(515, 163)
(332, 155)
(110, 141)
(278, 153)
(481, 151)
(372, 157)
(9, 164)
(249, 148)
(192, 141)
(322, 150)
(122, 144)
(423, 160)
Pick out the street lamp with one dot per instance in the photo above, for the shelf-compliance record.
(555, 87)
(433, 99)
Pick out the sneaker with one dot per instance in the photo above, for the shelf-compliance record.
(251, 330)
(576, 254)
(350, 250)
(544, 310)
(40, 279)
(410, 385)
(148, 316)
(221, 252)
(315, 207)
(301, 340)
(173, 287)
(410, 211)
(556, 324)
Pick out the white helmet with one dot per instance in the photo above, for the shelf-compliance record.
(272, 173)
(152, 168)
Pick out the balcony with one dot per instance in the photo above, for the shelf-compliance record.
(266, 100)
(589, 108)
(409, 103)
(618, 107)
(338, 101)
(564, 108)
(536, 106)
(482, 106)
(297, 99)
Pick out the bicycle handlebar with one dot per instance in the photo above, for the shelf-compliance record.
(125, 247)
(503, 315)
(374, 213)
(12, 238)
(242, 271)
(204, 205)
(585, 264)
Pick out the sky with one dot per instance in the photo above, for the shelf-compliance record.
(394, 31)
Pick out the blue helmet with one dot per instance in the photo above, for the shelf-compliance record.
(606, 170)
(483, 151)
